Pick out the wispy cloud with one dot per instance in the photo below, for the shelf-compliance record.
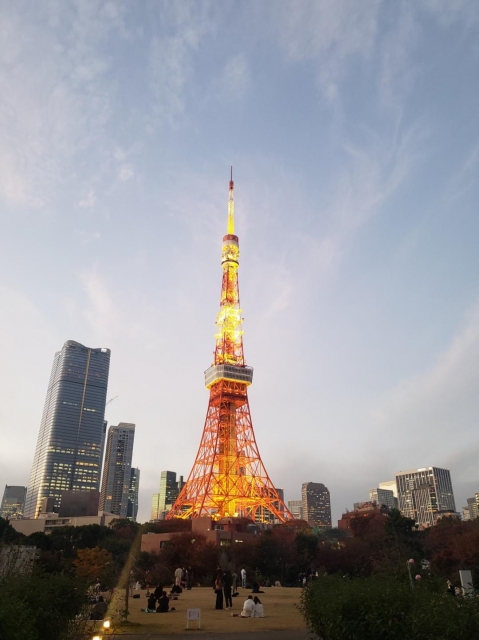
(465, 178)
(428, 408)
(100, 309)
(87, 236)
(449, 12)
(56, 96)
(315, 30)
(172, 58)
(125, 172)
(89, 200)
(235, 78)
(396, 50)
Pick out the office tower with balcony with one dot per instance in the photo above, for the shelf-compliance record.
(316, 504)
(116, 480)
(473, 506)
(13, 501)
(169, 490)
(383, 497)
(279, 504)
(132, 510)
(296, 508)
(389, 485)
(68, 454)
(425, 494)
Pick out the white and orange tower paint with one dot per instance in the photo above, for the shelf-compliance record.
(228, 478)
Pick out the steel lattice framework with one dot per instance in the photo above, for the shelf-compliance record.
(228, 478)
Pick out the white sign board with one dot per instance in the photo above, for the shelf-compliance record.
(193, 614)
(466, 582)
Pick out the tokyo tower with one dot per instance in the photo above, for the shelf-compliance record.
(228, 478)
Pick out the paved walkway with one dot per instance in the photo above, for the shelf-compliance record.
(276, 634)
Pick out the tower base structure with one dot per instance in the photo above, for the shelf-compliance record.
(228, 478)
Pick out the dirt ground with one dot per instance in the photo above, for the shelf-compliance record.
(279, 606)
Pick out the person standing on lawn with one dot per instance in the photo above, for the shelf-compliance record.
(178, 576)
(219, 591)
(243, 578)
(227, 584)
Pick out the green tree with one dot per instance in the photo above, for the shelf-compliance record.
(39, 606)
(8, 535)
(306, 549)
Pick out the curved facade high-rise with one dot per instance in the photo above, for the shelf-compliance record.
(70, 443)
(316, 504)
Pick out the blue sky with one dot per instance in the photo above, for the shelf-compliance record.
(353, 128)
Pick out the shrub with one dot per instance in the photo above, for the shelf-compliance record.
(384, 608)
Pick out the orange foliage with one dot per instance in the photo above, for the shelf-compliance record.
(91, 563)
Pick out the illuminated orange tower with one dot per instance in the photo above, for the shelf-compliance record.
(228, 478)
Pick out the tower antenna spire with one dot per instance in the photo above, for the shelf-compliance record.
(231, 206)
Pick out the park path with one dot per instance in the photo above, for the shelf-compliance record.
(275, 634)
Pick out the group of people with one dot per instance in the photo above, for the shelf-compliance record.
(225, 584)
(307, 576)
(158, 602)
(252, 608)
(184, 577)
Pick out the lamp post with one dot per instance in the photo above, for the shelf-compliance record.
(106, 628)
(408, 564)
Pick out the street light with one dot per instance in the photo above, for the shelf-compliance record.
(106, 624)
(408, 564)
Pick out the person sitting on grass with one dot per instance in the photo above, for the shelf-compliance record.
(151, 606)
(99, 610)
(175, 592)
(248, 609)
(163, 603)
(258, 608)
(256, 588)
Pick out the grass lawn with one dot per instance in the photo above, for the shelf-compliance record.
(279, 607)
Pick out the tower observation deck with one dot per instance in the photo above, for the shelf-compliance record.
(228, 477)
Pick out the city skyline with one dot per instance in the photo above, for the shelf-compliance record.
(354, 138)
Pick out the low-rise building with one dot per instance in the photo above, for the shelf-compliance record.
(361, 510)
(221, 532)
(47, 522)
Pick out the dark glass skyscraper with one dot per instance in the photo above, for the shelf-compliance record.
(69, 449)
(132, 510)
(115, 485)
(316, 504)
(13, 501)
(169, 489)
